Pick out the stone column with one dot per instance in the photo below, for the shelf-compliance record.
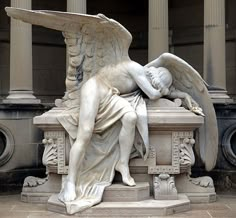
(214, 47)
(158, 39)
(21, 79)
(77, 6)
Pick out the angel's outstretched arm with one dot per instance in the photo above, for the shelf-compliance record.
(191, 104)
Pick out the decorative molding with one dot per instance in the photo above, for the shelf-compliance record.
(227, 146)
(187, 158)
(174, 168)
(54, 154)
(50, 152)
(9, 146)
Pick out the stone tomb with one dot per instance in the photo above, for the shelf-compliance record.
(164, 185)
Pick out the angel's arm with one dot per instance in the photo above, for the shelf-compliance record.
(138, 73)
(191, 104)
(175, 93)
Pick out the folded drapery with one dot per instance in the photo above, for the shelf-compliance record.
(98, 167)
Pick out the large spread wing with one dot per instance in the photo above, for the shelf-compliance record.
(187, 79)
(93, 41)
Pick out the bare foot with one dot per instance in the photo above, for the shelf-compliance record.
(124, 171)
(68, 192)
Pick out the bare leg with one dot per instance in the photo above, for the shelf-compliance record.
(88, 111)
(126, 141)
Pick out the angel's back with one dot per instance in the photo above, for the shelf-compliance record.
(119, 76)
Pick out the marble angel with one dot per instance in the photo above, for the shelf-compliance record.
(105, 101)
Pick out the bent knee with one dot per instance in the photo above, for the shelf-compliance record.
(129, 118)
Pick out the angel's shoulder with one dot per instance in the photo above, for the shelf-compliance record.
(133, 67)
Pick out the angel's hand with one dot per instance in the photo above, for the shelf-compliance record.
(192, 105)
(197, 110)
(164, 91)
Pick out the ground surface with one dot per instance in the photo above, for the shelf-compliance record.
(12, 207)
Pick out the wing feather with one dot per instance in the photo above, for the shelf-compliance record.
(100, 41)
(187, 79)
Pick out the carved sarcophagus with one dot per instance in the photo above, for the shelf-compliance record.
(171, 132)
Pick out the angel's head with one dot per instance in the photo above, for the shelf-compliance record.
(160, 78)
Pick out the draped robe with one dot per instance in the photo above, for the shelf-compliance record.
(98, 167)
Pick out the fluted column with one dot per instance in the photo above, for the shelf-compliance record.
(214, 47)
(158, 38)
(77, 6)
(21, 79)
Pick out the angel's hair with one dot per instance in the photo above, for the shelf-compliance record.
(160, 78)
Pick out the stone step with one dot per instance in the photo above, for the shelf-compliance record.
(145, 208)
(123, 193)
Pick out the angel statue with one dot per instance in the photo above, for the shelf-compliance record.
(105, 108)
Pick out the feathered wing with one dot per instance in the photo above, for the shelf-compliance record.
(187, 79)
(100, 41)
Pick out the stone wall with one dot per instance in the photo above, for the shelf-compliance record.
(21, 145)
